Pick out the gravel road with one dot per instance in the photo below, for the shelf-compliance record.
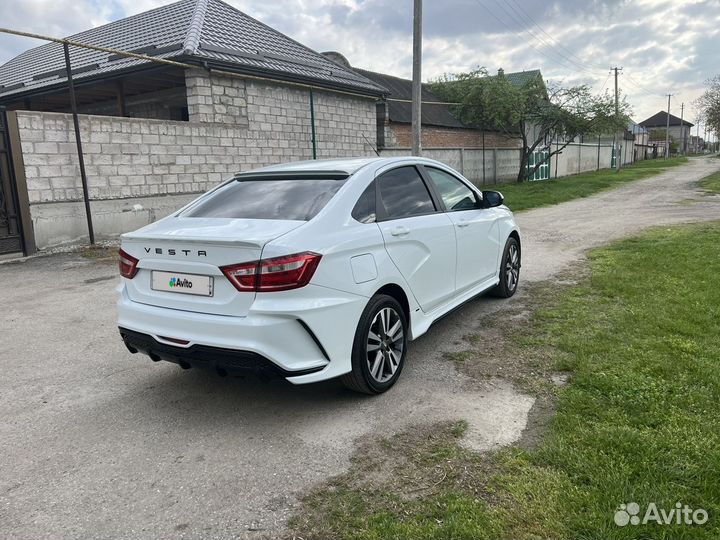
(95, 442)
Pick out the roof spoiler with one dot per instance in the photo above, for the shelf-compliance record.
(292, 175)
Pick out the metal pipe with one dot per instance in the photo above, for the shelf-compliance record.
(81, 159)
(312, 124)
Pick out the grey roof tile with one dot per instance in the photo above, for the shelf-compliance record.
(189, 29)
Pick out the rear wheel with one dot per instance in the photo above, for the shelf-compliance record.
(379, 347)
(509, 270)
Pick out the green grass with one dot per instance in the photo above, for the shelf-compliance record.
(711, 183)
(638, 422)
(526, 195)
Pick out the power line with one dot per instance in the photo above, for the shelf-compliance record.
(503, 23)
(520, 11)
(642, 88)
(550, 49)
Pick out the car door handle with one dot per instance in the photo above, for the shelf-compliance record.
(400, 231)
(463, 223)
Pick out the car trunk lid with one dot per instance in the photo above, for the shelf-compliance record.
(191, 251)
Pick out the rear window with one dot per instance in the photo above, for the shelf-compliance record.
(291, 199)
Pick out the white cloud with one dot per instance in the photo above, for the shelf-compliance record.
(664, 46)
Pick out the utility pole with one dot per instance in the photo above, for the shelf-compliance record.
(667, 130)
(78, 142)
(682, 128)
(417, 79)
(618, 147)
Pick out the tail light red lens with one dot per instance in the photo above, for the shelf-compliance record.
(128, 265)
(276, 274)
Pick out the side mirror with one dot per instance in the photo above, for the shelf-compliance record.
(492, 198)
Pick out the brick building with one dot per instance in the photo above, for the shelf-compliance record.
(154, 136)
(440, 128)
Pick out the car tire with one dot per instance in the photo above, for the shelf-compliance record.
(379, 346)
(509, 270)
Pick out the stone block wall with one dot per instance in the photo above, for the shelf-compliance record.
(235, 125)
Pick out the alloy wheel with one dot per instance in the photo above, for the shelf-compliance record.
(385, 344)
(512, 267)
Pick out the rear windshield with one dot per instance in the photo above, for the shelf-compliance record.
(289, 199)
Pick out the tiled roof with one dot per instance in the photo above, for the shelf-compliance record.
(659, 120)
(434, 115)
(521, 78)
(206, 30)
(400, 112)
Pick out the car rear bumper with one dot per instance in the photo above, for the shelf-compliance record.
(223, 361)
(306, 337)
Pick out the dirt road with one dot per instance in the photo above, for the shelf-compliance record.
(95, 442)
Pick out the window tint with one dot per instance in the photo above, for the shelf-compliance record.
(299, 199)
(403, 193)
(364, 210)
(454, 193)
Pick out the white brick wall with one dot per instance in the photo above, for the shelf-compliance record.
(133, 157)
(235, 125)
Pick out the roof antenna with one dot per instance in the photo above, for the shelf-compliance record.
(371, 145)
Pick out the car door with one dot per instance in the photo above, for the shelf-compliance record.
(476, 229)
(418, 236)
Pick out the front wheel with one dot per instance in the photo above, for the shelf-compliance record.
(379, 347)
(509, 270)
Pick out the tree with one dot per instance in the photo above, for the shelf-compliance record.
(536, 113)
(709, 104)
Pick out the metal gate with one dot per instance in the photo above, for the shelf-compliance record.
(10, 224)
(542, 172)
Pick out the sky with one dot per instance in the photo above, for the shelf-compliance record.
(663, 46)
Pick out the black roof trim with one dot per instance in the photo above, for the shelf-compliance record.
(232, 52)
(63, 72)
(13, 86)
(150, 50)
(293, 175)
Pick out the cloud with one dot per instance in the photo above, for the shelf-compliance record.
(664, 46)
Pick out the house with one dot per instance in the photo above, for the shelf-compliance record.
(240, 95)
(440, 128)
(679, 130)
(696, 144)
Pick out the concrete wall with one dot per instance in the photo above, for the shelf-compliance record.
(140, 170)
(502, 164)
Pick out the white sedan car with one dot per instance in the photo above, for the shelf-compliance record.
(314, 270)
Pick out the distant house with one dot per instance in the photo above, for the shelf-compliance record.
(679, 129)
(696, 144)
(440, 128)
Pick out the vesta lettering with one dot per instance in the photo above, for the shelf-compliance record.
(176, 252)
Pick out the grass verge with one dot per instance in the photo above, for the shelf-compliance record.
(711, 183)
(638, 421)
(528, 195)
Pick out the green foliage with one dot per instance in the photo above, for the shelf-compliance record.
(638, 422)
(709, 104)
(534, 112)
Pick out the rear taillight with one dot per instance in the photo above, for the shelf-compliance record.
(128, 265)
(277, 274)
